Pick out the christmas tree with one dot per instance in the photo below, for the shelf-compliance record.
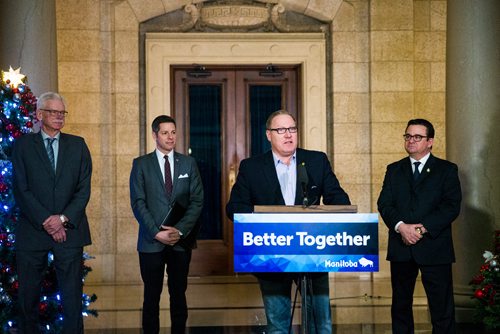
(487, 287)
(17, 117)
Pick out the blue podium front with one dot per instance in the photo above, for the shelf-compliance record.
(306, 242)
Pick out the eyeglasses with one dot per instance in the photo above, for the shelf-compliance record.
(53, 112)
(281, 131)
(416, 138)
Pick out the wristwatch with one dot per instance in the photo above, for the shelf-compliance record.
(64, 222)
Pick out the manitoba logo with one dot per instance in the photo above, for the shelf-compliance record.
(349, 263)
(341, 264)
(365, 262)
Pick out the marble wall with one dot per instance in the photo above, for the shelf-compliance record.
(388, 65)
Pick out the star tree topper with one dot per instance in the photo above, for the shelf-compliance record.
(14, 77)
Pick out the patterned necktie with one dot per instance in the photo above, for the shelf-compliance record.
(50, 152)
(168, 177)
(416, 172)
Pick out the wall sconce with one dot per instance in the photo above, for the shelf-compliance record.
(199, 71)
(271, 71)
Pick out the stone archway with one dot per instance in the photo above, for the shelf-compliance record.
(246, 31)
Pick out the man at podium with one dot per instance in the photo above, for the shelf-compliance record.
(287, 175)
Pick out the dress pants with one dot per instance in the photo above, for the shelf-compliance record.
(438, 285)
(177, 260)
(68, 266)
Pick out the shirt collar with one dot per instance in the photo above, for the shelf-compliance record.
(278, 160)
(423, 160)
(45, 136)
(160, 155)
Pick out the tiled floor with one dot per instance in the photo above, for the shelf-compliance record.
(340, 329)
(233, 305)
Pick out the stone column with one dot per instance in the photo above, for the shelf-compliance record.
(28, 40)
(472, 140)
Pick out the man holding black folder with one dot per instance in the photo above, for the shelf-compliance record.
(166, 194)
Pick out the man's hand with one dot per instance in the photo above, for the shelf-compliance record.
(168, 235)
(59, 236)
(411, 233)
(54, 226)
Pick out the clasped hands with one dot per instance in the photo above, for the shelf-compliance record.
(168, 235)
(411, 233)
(54, 226)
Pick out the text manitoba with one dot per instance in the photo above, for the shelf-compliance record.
(305, 239)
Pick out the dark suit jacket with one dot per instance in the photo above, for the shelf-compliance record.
(150, 204)
(40, 192)
(257, 183)
(434, 201)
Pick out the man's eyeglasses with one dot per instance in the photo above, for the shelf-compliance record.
(416, 138)
(53, 112)
(281, 131)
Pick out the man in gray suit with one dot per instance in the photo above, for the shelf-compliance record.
(52, 172)
(161, 180)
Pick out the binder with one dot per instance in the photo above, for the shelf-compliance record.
(174, 214)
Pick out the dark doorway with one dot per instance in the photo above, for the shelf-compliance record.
(221, 113)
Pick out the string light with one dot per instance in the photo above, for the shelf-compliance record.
(17, 117)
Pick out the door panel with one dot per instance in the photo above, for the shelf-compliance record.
(221, 120)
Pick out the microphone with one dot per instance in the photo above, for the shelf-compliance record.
(303, 180)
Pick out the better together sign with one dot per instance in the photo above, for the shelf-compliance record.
(306, 242)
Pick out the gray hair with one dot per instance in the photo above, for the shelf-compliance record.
(42, 99)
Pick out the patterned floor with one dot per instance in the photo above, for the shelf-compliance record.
(342, 329)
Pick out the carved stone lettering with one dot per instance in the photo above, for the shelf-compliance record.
(234, 16)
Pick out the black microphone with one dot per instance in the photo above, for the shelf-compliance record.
(303, 180)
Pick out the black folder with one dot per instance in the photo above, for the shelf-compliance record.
(174, 214)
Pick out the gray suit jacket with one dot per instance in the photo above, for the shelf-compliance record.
(40, 192)
(150, 203)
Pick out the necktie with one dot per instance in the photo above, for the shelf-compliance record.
(168, 177)
(416, 172)
(50, 152)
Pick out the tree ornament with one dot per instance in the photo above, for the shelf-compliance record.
(18, 117)
(479, 294)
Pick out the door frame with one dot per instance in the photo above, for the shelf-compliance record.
(215, 257)
(307, 49)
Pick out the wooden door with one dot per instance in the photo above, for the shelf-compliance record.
(220, 114)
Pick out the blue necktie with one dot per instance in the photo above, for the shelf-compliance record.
(50, 152)
(416, 172)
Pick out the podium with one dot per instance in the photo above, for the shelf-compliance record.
(323, 238)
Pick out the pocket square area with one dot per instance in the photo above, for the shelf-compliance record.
(183, 176)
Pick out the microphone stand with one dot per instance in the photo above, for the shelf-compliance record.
(303, 292)
(305, 282)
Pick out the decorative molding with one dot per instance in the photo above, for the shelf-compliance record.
(162, 50)
(279, 21)
(189, 21)
(237, 16)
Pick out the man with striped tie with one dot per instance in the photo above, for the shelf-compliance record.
(52, 172)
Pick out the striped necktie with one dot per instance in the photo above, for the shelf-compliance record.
(50, 152)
